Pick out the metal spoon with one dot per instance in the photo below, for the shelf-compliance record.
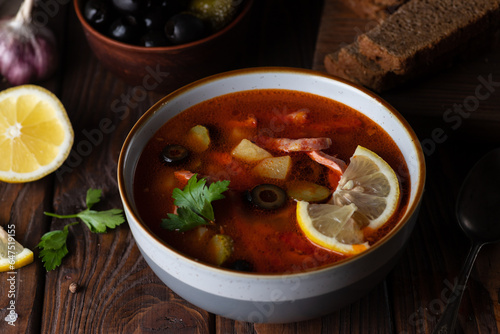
(478, 213)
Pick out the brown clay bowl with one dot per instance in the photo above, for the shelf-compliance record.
(164, 69)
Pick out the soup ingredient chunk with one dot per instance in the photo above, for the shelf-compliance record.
(198, 138)
(332, 163)
(267, 196)
(336, 166)
(173, 153)
(296, 145)
(219, 248)
(35, 133)
(274, 168)
(324, 223)
(307, 191)
(194, 204)
(371, 184)
(12, 254)
(249, 152)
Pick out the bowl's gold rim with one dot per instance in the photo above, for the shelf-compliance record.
(412, 208)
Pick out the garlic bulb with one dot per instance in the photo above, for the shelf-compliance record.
(27, 51)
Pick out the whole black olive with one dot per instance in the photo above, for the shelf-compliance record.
(130, 6)
(154, 19)
(267, 196)
(173, 154)
(125, 29)
(241, 265)
(154, 38)
(184, 28)
(97, 13)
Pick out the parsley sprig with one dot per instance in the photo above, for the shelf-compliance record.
(194, 204)
(53, 244)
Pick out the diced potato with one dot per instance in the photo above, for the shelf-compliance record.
(274, 168)
(219, 249)
(307, 191)
(239, 133)
(249, 152)
(198, 138)
(201, 233)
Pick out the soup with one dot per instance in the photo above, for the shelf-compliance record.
(285, 125)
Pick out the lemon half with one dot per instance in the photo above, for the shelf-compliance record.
(35, 133)
(12, 254)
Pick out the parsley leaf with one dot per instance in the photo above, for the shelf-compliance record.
(93, 197)
(53, 243)
(99, 221)
(53, 247)
(194, 204)
(184, 220)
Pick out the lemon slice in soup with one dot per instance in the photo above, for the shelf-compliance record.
(332, 227)
(372, 185)
(366, 197)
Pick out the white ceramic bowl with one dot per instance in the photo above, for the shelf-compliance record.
(268, 298)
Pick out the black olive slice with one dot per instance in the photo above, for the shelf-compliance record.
(173, 154)
(267, 196)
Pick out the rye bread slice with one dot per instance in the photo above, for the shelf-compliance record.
(351, 65)
(373, 9)
(422, 30)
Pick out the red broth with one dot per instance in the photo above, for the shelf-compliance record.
(270, 241)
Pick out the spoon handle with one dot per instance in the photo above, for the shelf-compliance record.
(446, 324)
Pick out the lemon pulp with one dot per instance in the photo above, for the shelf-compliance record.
(372, 185)
(35, 133)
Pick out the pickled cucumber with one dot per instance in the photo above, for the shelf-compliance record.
(216, 13)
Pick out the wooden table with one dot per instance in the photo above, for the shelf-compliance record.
(118, 293)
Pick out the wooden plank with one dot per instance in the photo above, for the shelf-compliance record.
(21, 291)
(117, 292)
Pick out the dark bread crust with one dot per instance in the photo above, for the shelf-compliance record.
(422, 30)
(383, 59)
(349, 64)
(374, 9)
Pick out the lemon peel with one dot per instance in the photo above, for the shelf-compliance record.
(12, 254)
